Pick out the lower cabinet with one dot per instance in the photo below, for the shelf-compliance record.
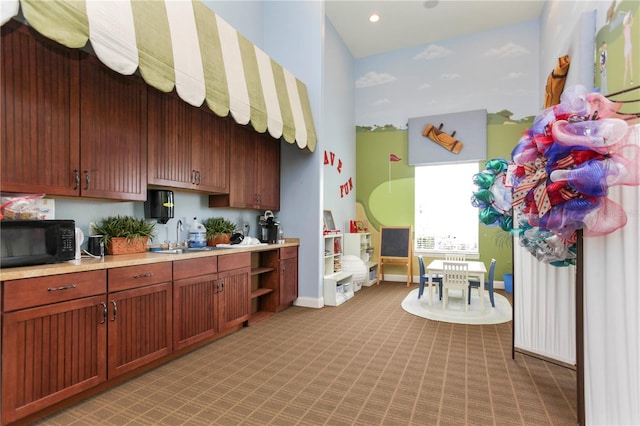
(195, 285)
(288, 277)
(65, 334)
(52, 351)
(210, 295)
(139, 316)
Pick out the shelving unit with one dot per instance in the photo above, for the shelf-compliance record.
(359, 244)
(338, 285)
(264, 282)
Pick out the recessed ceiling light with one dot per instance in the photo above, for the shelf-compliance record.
(374, 17)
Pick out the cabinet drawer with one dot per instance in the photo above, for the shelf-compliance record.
(139, 276)
(194, 267)
(288, 252)
(228, 262)
(30, 292)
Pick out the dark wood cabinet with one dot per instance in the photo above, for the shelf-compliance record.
(54, 340)
(210, 295)
(113, 138)
(288, 277)
(234, 271)
(66, 334)
(40, 98)
(70, 125)
(195, 285)
(188, 147)
(140, 319)
(255, 172)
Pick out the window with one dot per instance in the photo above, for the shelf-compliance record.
(445, 219)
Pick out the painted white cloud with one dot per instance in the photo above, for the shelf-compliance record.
(433, 51)
(509, 50)
(381, 102)
(373, 78)
(451, 76)
(424, 86)
(515, 75)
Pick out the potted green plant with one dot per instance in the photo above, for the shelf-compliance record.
(219, 230)
(124, 234)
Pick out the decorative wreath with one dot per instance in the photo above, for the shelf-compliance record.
(563, 167)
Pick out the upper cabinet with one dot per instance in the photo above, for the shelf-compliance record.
(71, 126)
(113, 133)
(188, 147)
(255, 175)
(40, 146)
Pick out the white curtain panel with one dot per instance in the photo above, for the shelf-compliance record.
(544, 307)
(612, 316)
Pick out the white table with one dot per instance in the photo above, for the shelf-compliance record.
(476, 269)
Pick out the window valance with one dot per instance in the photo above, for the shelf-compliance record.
(181, 44)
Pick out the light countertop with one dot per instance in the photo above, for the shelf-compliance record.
(91, 264)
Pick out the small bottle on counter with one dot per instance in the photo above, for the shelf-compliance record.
(197, 235)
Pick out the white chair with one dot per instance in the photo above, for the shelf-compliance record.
(456, 276)
(454, 257)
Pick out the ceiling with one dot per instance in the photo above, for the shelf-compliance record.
(410, 23)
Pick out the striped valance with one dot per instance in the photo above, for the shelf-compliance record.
(181, 44)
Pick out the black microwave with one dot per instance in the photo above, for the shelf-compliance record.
(36, 242)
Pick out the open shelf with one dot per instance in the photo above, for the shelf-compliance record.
(260, 292)
(260, 270)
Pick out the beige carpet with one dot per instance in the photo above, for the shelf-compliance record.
(366, 362)
(455, 311)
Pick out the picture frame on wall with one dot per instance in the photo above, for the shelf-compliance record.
(329, 224)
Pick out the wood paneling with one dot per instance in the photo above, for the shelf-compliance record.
(51, 353)
(140, 327)
(195, 309)
(113, 134)
(39, 120)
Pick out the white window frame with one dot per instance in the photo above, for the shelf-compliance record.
(442, 173)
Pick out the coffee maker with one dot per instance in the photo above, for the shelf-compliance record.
(269, 228)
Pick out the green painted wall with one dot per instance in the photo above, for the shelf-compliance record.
(385, 189)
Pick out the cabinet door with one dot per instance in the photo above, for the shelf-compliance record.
(242, 174)
(254, 171)
(211, 149)
(267, 172)
(39, 148)
(234, 298)
(195, 312)
(51, 353)
(288, 281)
(169, 134)
(140, 327)
(113, 133)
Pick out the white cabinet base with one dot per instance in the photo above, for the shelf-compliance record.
(338, 288)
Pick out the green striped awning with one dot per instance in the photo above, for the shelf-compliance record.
(182, 45)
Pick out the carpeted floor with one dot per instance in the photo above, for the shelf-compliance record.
(366, 362)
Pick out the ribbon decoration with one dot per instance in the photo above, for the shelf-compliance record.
(536, 180)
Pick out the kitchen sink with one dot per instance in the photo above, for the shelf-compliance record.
(188, 250)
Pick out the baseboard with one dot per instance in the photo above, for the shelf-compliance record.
(309, 302)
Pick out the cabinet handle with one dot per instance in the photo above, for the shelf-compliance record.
(193, 176)
(115, 310)
(198, 177)
(64, 287)
(147, 275)
(76, 174)
(87, 180)
(104, 313)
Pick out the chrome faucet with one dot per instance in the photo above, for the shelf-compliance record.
(179, 229)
